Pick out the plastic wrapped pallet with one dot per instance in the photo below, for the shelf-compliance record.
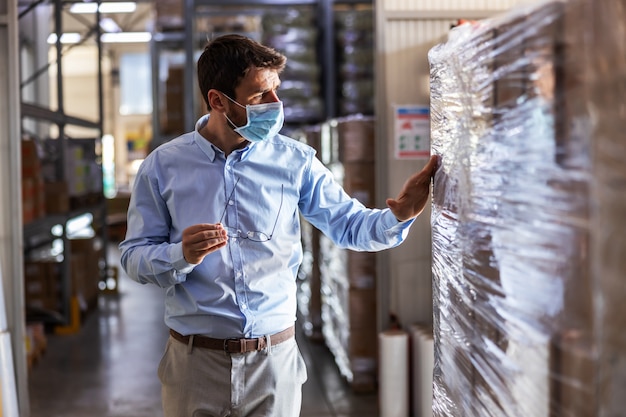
(293, 32)
(354, 26)
(528, 117)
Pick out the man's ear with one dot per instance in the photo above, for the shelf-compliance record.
(216, 100)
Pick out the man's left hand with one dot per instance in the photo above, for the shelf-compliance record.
(414, 194)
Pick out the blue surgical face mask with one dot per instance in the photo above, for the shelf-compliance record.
(264, 120)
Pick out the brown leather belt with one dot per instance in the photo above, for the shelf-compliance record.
(235, 345)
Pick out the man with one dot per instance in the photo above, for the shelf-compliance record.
(214, 219)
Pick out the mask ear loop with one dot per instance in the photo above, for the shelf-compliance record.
(234, 126)
(240, 105)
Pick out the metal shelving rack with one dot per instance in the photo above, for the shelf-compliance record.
(184, 41)
(39, 231)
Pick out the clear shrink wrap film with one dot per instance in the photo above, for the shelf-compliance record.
(529, 212)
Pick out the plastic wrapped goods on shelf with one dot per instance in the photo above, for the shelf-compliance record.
(354, 41)
(527, 116)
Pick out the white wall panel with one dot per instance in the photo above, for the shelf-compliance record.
(406, 44)
(11, 259)
(449, 4)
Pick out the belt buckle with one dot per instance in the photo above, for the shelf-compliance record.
(242, 345)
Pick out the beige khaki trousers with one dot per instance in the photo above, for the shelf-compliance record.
(200, 382)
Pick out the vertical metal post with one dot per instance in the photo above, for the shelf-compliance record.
(189, 65)
(58, 29)
(100, 85)
(61, 169)
(103, 207)
(326, 14)
(156, 108)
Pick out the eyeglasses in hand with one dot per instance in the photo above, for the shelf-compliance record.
(254, 236)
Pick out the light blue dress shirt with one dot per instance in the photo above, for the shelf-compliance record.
(248, 288)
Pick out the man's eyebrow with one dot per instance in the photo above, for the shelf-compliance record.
(267, 90)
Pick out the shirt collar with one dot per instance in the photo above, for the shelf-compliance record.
(208, 148)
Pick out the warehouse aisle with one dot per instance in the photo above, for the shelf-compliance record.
(109, 368)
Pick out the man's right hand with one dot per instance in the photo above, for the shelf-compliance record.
(201, 239)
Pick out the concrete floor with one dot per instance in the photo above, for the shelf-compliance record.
(109, 367)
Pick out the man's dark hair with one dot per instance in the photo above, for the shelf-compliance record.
(226, 60)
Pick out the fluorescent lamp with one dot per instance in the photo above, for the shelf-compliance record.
(69, 37)
(119, 37)
(83, 8)
(79, 8)
(111, 7)
(109, 25)
(126, 37)
(121, 7)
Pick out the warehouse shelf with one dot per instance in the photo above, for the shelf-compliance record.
(50, 228)
(41, 113)
(41, 231)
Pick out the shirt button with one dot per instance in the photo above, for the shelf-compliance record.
(231, 202)
(243, 306)
(228, 167)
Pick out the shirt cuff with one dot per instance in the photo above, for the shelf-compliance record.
(178, 259)
(397, 229)
(391, 222)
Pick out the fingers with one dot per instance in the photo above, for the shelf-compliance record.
(202, 239)
(202, 232)
(413, 197)
(432, 164)
(426, 173)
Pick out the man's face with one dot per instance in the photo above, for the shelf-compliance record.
(258, 86)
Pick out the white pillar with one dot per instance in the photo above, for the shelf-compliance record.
(11, 256)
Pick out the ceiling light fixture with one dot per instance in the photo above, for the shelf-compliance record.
(119, 37)
(126, 37)
(110, 7)
(66, 38)
(109, 25)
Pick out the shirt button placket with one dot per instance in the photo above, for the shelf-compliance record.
(230, 175)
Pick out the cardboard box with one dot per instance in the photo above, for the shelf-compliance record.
(356, 137)
(85, 257)
(56, 197)
(42, 285)
(361, 269)
(31, 166)
(28, 200)
(360, 181)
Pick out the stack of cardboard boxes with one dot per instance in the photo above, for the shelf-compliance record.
(33, 192)
(43, 278)
(337, 295)
(348, 278)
